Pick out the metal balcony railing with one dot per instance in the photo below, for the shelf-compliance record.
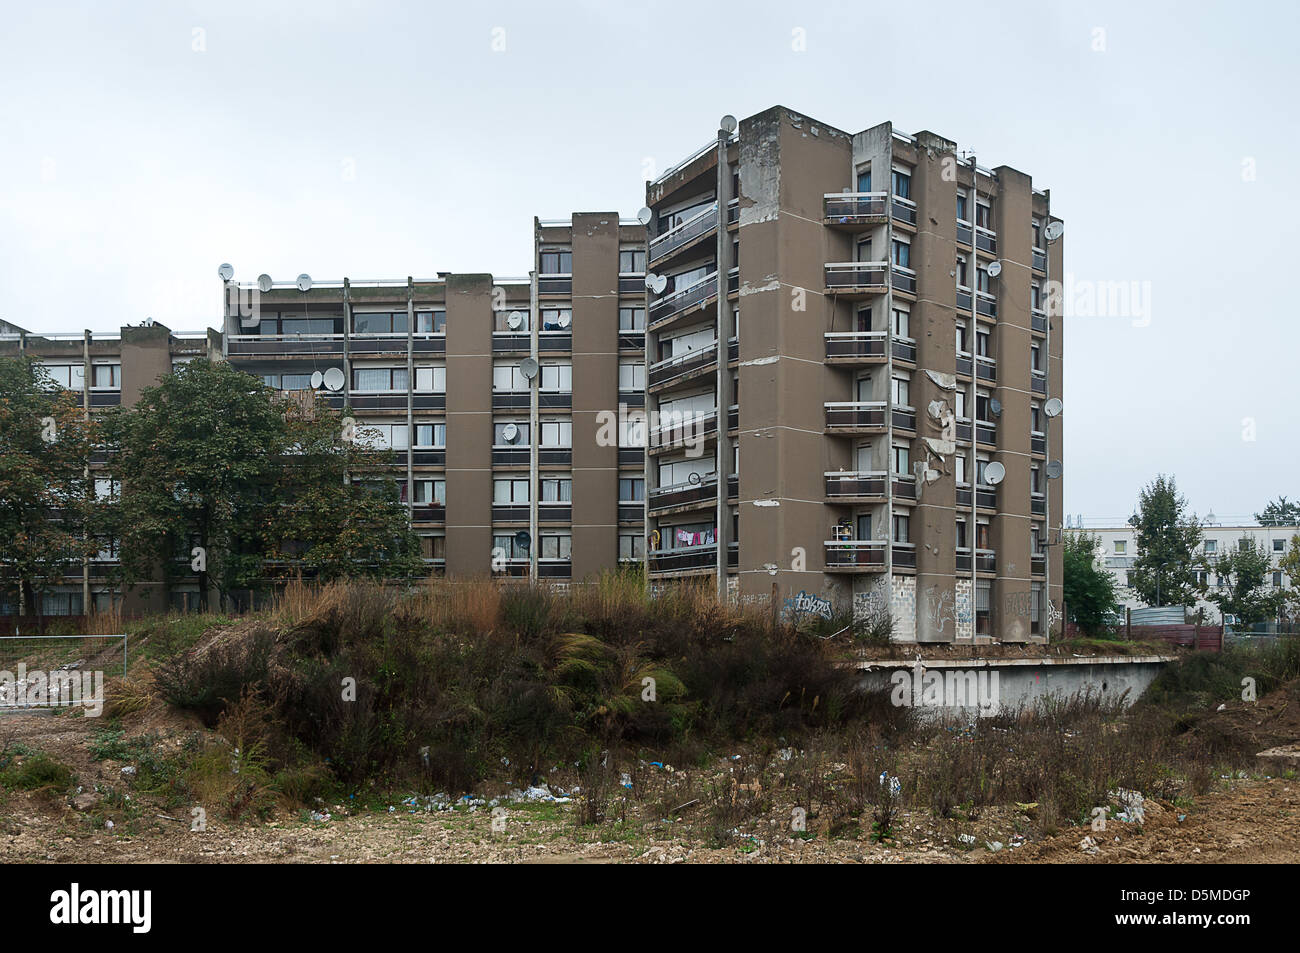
(849, 485)
(854, 555)
(855, 345)
(689, 428)
(685, 298)
(986, 239)
(682, 494)
(856, 416)
(855, 208)
(681, 560)
(904, 210)
(682, 364)
(860, 276)
(697, 226)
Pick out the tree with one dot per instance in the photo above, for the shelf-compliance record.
(1247, 594)
(1167, 563)
(1290, 566)
(1090, 595)
(46, 495)
(1280, 512)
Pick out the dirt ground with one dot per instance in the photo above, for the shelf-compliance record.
(1237, 821)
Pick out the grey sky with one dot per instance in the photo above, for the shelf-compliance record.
(382, 139)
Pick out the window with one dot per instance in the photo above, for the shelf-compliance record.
(902, 323)
(507, 492)
(67, 376)
(983, 214)
(902, 183)
(959, 403)
(862, 318)
(631, 261)
(373, 322)
(902, 459)
(431, 435)
(431, 492)
(510, 434)
(983, 283)
(107, 489)
(287, 381)
(981, 464)
(1121, 547)
(557, 262)
(961, 534)
(631, 546)
(1279, 545)
(963, 210)
(1277, 580)
(864, 179)
(381, 436)
(1036, 296)
(1036, 418)
(631, 319)
(902, 392)
(555, 546)
(557, 378)
(1035, 358)
(963, 346)
(556, 490)
(982, 342)
(431, 379)
(431, 322)
(1211, 545)
(982, 535)
(902, 528)
(1038, 233)
(434, 547)
(379, 378)
(557, 319)
(982, 412)
(631, 376)
(506, 378)
(1034, 480)
(510, 321)
(557, 433)
(107, 376)
(508, 548)
(1035, 540)
(963, 275)
(1244, 545)
(1035, 608)
(902, 253)
(959, 469)
(631, 489)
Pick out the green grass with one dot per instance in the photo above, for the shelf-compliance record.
(36, 772)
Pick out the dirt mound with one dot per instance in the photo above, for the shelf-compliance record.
(1249, 727)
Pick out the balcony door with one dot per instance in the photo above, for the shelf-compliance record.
(864, 526)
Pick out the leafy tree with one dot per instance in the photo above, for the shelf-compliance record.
(1290, 566)
(1247, 594)
(1090, 593)
(1165, 570)
(46, 495)
(1280, 512)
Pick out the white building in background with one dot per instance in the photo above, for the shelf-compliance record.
(1118, 551)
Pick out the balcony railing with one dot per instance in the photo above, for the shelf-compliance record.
(852, 485)
(1038, 382)
(1038, 321)
(685, 298)
(905, 350)
(964, 233)
(1040, 261)
(986, 304)
(683, 494)
(856, 416)
(857, 276)
(854, 555)
(1038, 444)
(904, 487)
(681, 432)
(904, 418)
(855, 208)
(850, 346)
(1037, 504)
(904, 555)
(555, 284)
(697, 226)
(682, 560)
(904, 279)
(1037, 563)
(986, 239)
(682, 364)
(904, 210)
(986, 368)
(733, 212)
(287, 344)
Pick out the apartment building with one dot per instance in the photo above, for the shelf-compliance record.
(1118, 551)
(491, 391)
(880, 431)
(108, 371)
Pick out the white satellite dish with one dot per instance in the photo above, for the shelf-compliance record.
(656, 283)
(995, 269)
(693, 479)
(1054, 230)
(1053, 407)
(148, 322)
(304, 282)
(515, 320)
(994, 473)
(264, 283)
(317, 379)
(1054, 470)
(995, 407)
(565, 320)
(728, 124)
(226, 272)
(510, 432)
(644, 215)
(333, 378)
(528, 368)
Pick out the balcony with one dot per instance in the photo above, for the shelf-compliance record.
(691, 558)
(963, 301)
(429, 513)
(866, 417)
(986, 304)
(855, 347)
(511, 400)
(857, 279)
(1037, 504)
(1040, 261)
(905, 350)
(964, 364)
(1038, 320)
(904, 279)
(699, 225)
(554, 568)
(1038, 444)
(555, 285)
(378, 342)
(1038, 563)
(904, 418)
(630, 512)
(904, 555)
(685, 431)
(904, 487)
(684, 494)
(856, 486)
(855, 555)
(986, 499)
(964, 234)
(986, 432)
(986, 369)
(680, 302)
(855, 211)
(903, 210)
(631, 340)
(985, 560)
(552, 342)
(510, 512)
(1038, 382)
(287, 345)
(506, 341)
(686, 366)
(105, 398)
(733, 212)
(986, 239)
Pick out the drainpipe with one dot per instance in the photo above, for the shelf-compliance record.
(722, 378)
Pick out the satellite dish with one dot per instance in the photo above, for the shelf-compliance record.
(264, 283)
(994, 473)
(225, 272)
(693, 479)
(1054, 230)
(565, 320)
(727, 124)
(644, 216)
(317, 379)
(523, 540)
(304, 282)
(333, 378)
(1054, 470)
(148, 322)
(1053, 407)
(994, 269)
(995, 407)
(515, 320)
(656, 283)
(510, 432)
(528, 368)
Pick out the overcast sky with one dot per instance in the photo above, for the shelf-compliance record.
(144, 144)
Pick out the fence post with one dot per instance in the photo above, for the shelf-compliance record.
(1128, 623)
(124, 638)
